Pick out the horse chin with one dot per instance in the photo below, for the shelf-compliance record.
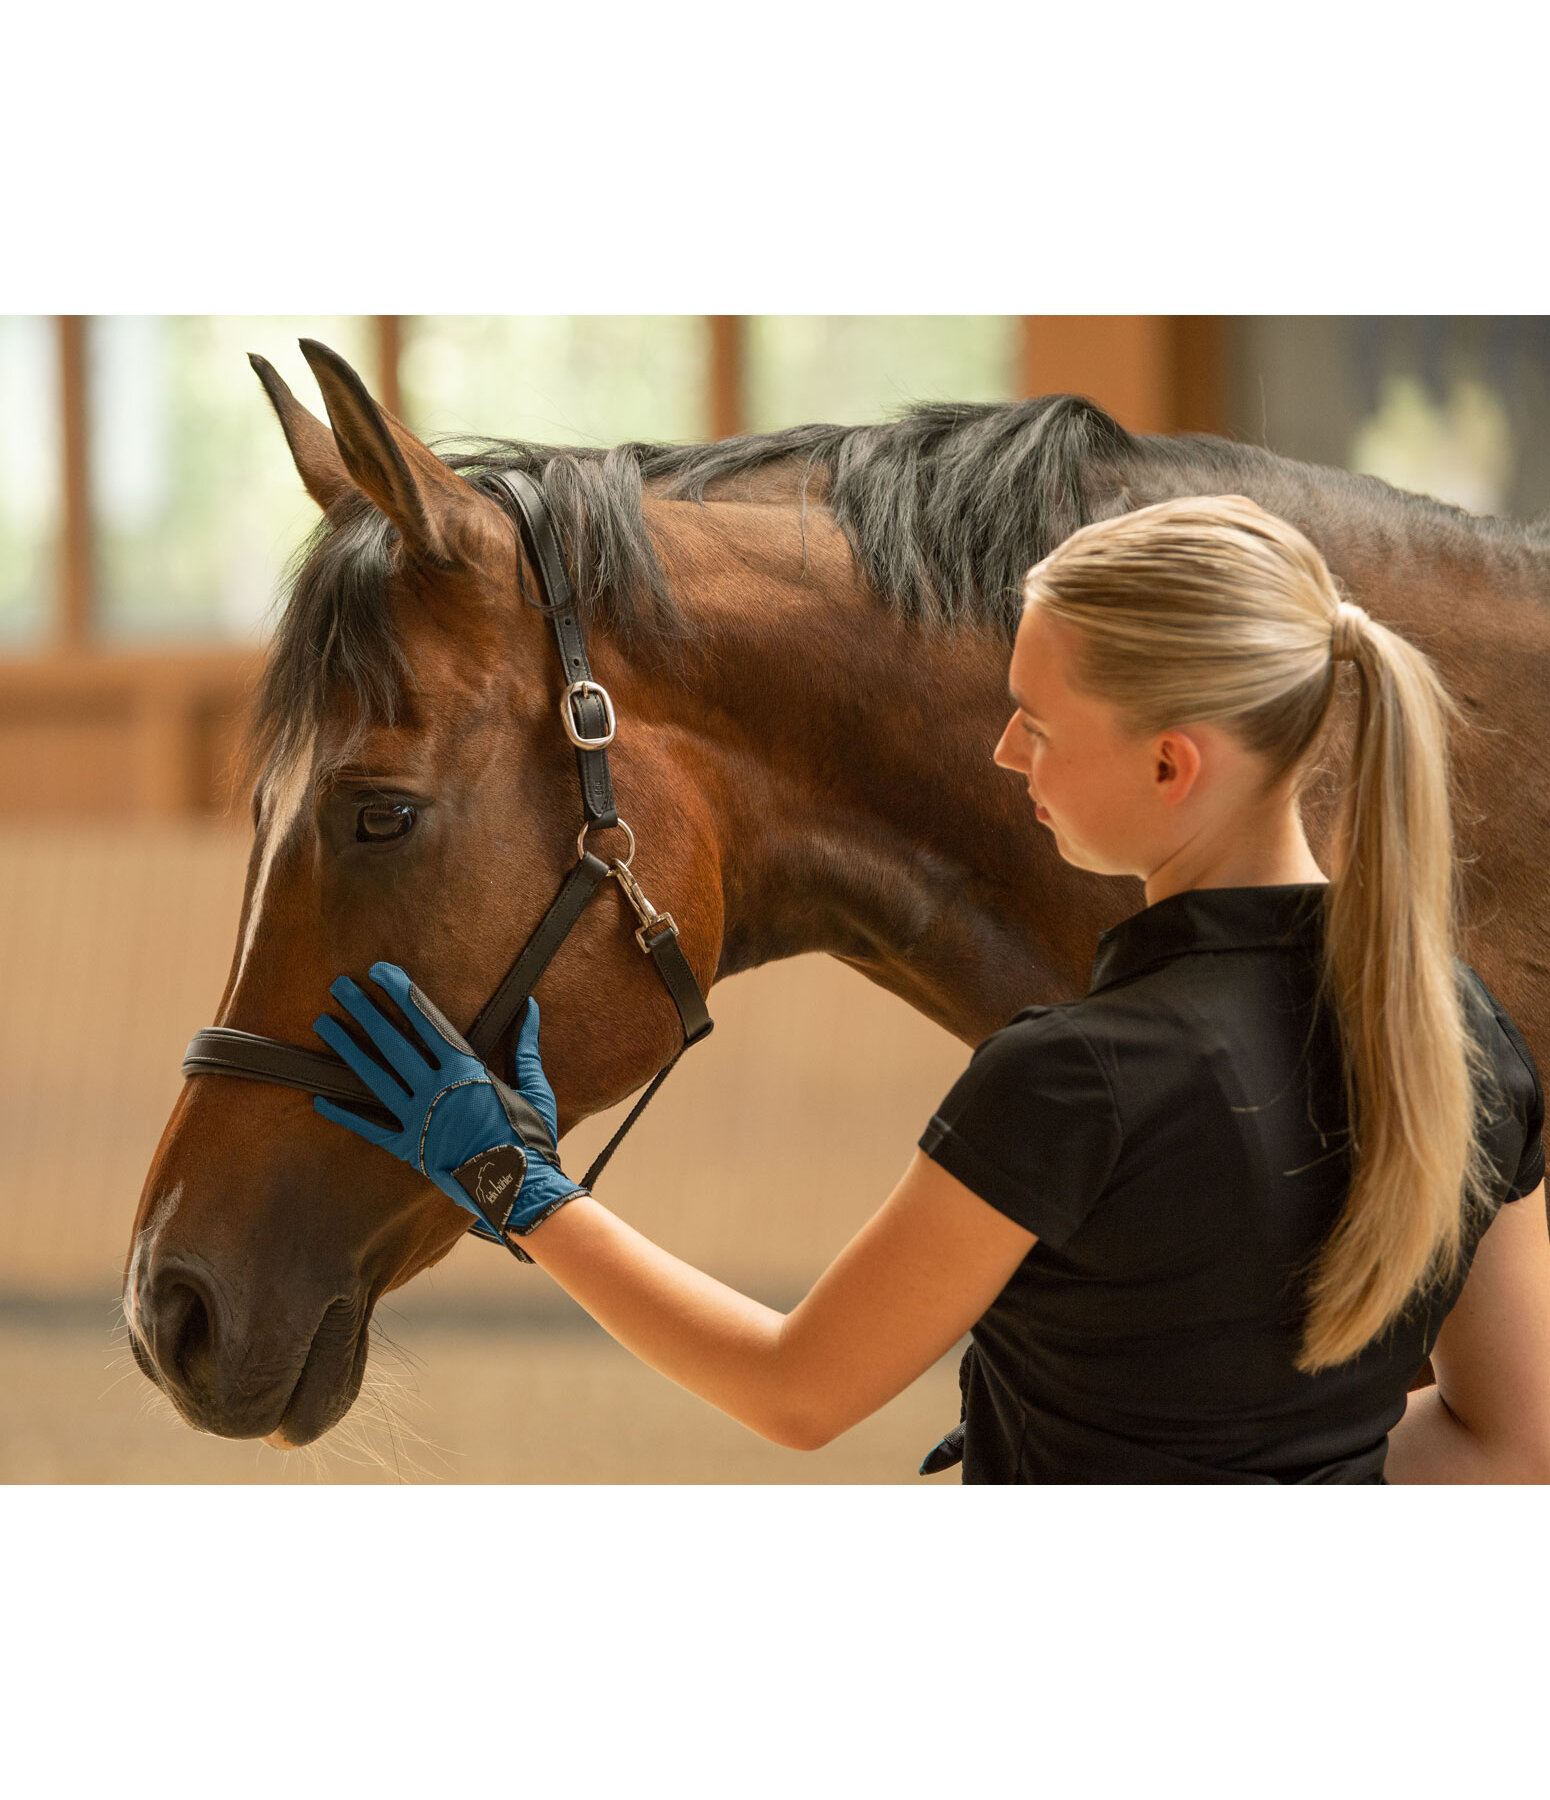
(329, 1381)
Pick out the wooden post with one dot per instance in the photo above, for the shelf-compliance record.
(388, 329)
(727, 340)
(76, 598)
(1200, 373)
(1154, 372)
(165, 777)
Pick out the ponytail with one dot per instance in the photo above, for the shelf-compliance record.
(1389, 974)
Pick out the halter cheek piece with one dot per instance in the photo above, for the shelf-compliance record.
(587, 713)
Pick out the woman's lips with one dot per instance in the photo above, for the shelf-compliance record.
(1040, 812)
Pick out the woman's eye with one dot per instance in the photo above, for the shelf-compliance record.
(384, 821)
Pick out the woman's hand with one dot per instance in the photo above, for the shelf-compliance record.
(487, 1147)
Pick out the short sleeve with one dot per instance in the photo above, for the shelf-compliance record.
(1031, 1125)
(1520, 1077)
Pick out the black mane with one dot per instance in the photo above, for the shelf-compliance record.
(945, 509)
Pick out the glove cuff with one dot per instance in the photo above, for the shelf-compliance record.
(519, 1225)
(492, 1181)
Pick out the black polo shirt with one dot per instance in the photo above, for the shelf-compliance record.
(1177, 1140)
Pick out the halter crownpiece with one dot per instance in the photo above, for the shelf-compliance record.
(1345, 634)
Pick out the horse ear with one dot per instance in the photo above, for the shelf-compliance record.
(313, 449)
(389, 464)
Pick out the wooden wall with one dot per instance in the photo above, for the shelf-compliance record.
(88, 735)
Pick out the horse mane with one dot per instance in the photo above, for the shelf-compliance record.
(945, 508)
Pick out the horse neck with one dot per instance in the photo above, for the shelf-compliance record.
(844, 758)
(1415, 558)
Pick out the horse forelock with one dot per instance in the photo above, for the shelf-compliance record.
(335, 641)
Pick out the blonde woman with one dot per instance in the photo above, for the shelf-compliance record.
(1206, 1222)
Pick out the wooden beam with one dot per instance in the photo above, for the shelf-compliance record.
(75, 620)
(388, 332)
(1200, 373)
(727, 351)
(1154, 372)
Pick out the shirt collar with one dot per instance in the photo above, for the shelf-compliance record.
(1206, 919)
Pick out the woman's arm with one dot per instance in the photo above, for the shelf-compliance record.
(1488, 1418)
(905, 1288)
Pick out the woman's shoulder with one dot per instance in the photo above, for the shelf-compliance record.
(1514, 1129)
(1068, 1028)
(1049, 1053)
(1031, 1124)
(1493, 1028)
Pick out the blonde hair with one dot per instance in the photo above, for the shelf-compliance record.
(1211, 610)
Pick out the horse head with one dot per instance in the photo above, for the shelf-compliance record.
(415, 801)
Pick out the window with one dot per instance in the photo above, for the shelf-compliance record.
(849, 370)
(576, 379)
(195, 502)
(30, 478)
(1458, 408)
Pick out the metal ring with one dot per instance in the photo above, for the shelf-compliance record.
(618, 825)
(568, 721)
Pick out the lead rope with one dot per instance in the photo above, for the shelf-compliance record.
(600, 1161)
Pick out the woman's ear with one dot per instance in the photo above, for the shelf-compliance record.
(1176, 766)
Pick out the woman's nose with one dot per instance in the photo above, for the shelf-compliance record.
(1004, 756)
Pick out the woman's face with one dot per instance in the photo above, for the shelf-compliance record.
(1113, 801)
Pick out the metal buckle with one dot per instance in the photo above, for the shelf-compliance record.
(650, 918)
(567, 719)
(666, 919)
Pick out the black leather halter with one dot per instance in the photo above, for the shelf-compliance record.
(587, 713)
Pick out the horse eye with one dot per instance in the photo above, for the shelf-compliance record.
(382, 823)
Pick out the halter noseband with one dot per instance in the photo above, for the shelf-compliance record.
(587, 713)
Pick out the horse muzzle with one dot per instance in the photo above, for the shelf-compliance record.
(289, 1377)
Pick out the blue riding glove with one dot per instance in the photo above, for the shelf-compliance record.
(486, 1146)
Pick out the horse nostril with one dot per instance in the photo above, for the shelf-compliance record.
(182, 1320)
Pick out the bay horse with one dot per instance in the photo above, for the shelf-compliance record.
(806, 636)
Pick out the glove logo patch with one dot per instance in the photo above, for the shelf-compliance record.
(491, 1180)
